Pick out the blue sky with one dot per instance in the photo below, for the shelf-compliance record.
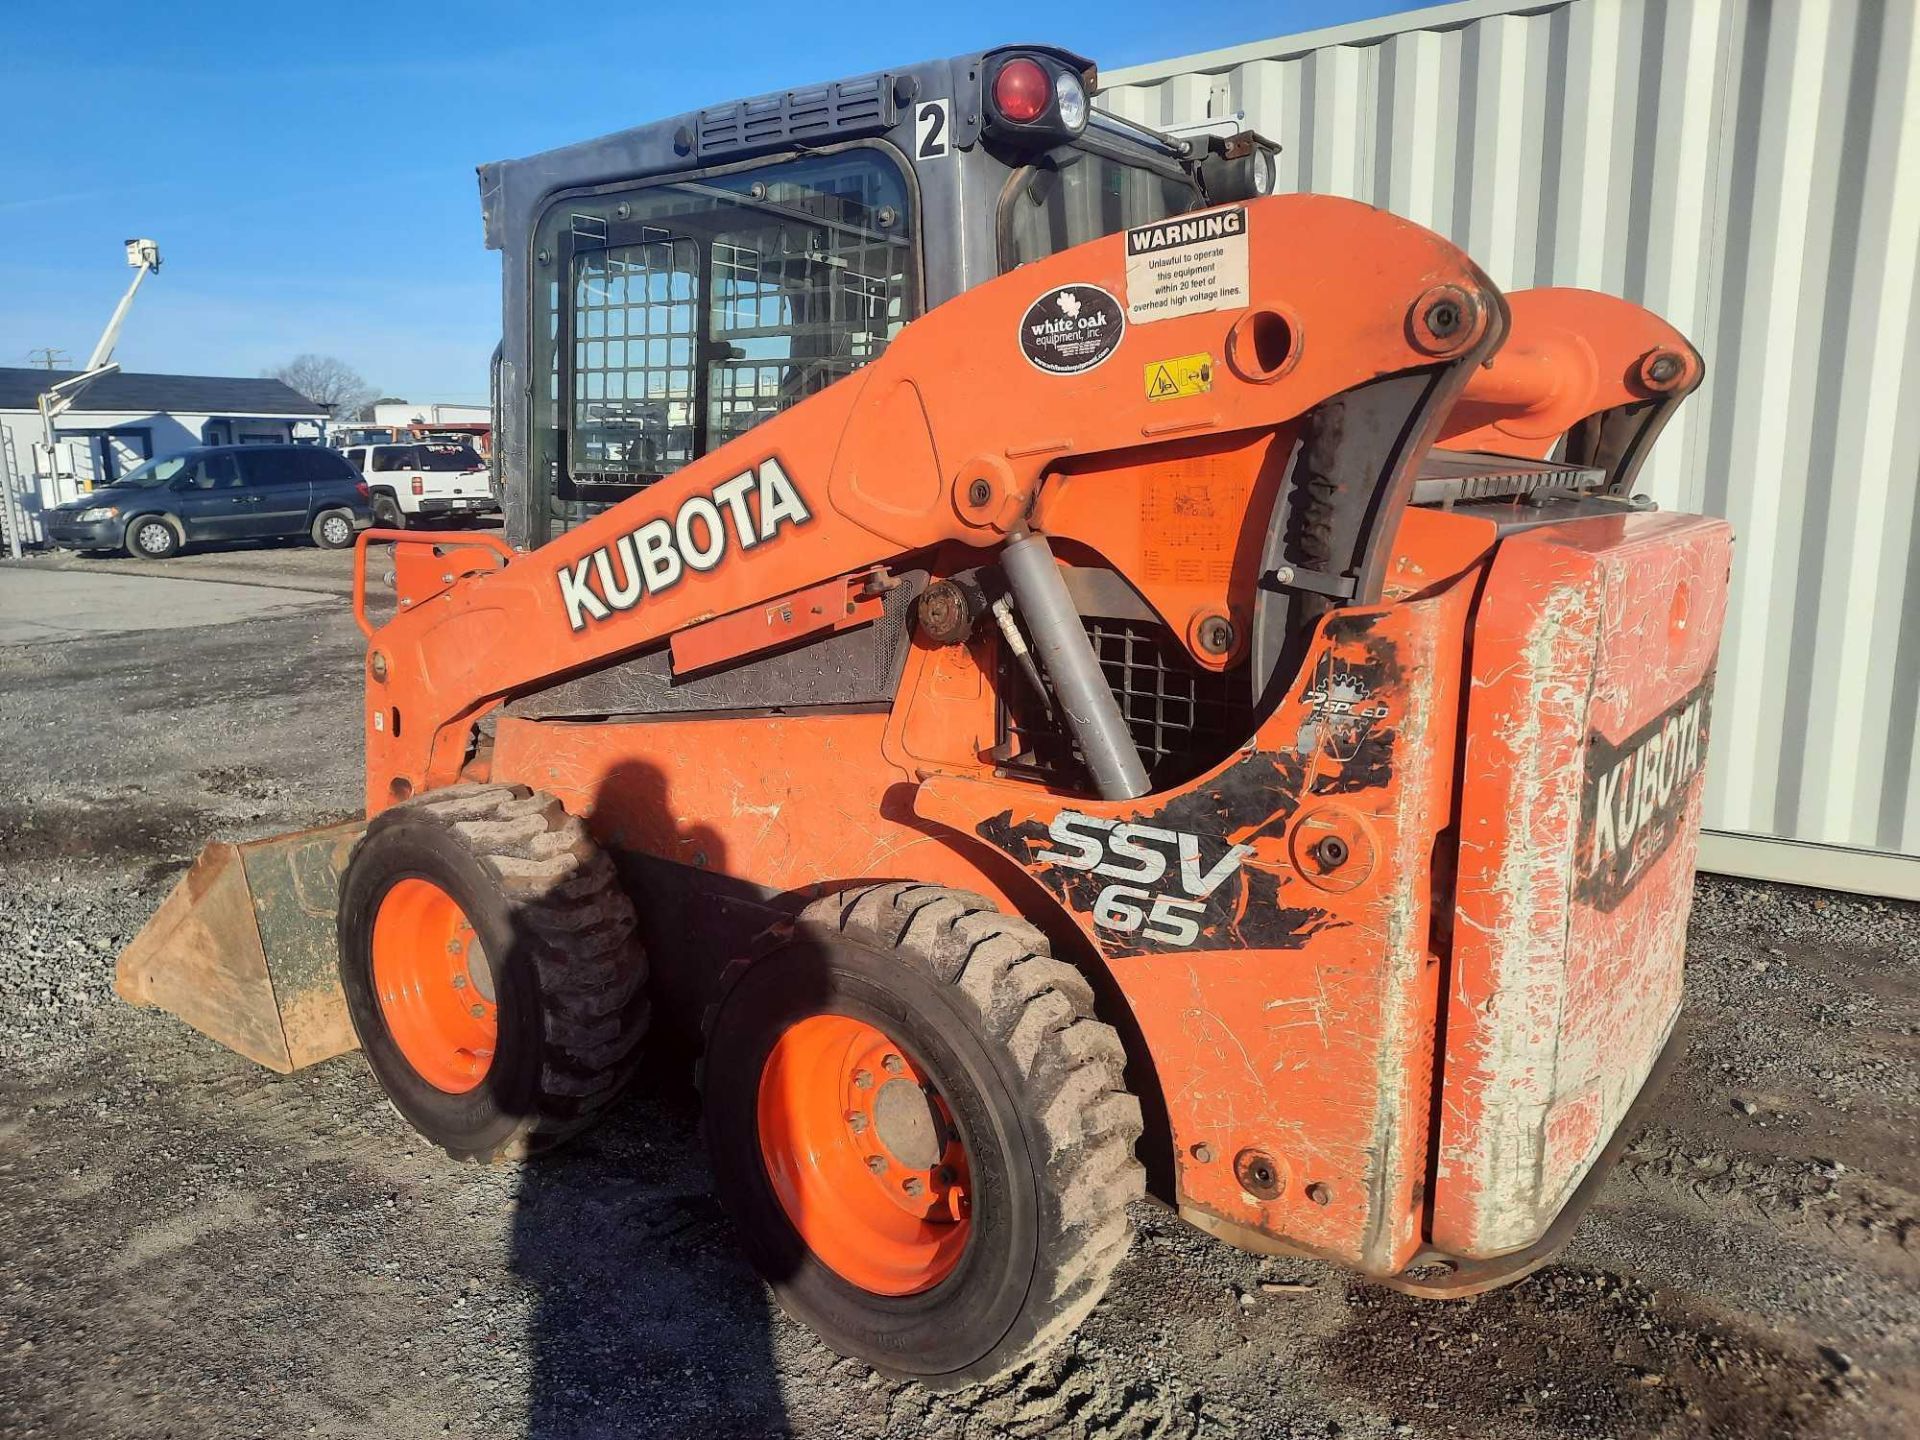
(308, 170)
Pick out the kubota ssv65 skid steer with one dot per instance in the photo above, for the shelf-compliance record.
(1083, 676)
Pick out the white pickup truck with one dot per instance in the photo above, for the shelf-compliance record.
(422, 482)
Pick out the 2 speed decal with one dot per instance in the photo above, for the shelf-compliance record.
(1161, 885)
(737, 514)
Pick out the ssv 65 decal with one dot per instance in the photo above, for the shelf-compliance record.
(1184, 874)
(1162, 883)
(736, 514)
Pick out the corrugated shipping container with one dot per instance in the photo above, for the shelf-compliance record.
(1751, 171)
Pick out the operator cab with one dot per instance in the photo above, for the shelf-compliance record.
(669, 287)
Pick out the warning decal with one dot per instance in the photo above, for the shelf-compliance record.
(1182, 375)
(1187, 265)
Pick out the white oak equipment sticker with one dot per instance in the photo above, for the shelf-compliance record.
(1187, 265)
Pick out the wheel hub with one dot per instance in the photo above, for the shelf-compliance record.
(435, 985)
(864, 1155)
(907, 1122)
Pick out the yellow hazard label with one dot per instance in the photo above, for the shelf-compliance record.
(1182, 375)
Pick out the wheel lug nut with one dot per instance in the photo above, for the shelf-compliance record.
(453, 947)
(857, 1121)
(913, 1186)
(877, 1165)
(892, 1065)
(459, 982)
(863, 1079)
(477, 1011)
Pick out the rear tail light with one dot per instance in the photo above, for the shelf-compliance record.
(360, 489)
(419, 486)
(1022, 91)
(1036, 99)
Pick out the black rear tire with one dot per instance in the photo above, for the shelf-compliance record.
(333, 530)
(1033, 1083)
(387, 513)
(568, 974)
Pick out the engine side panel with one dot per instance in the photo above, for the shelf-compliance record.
(1593, 651)
(1287, 992)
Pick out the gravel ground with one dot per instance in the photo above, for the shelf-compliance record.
(197, 1248)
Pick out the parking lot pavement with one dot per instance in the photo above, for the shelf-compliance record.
(42, 603)
(283, 566)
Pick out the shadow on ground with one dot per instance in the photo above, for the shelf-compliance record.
(646, 1320)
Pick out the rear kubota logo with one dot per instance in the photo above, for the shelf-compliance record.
(660, 551)
(1140, 854)
(1636, 797)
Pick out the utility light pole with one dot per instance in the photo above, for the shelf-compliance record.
(47, 358)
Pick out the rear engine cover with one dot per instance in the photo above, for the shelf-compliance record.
(1593, 656)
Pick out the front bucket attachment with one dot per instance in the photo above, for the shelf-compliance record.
(244, 951)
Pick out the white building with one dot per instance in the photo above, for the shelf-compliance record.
(122, 419)
(1751, 171)
(405, 412)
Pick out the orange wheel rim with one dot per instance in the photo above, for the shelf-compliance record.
(864, 1156)
(435, 986)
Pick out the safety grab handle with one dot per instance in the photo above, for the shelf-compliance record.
(410, 537)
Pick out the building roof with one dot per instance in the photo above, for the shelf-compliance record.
(20, 389)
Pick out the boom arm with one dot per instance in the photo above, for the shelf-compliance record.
(949, 436)
(144, 256)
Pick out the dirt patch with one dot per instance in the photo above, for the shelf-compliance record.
(124, 826)
(1586, 1353)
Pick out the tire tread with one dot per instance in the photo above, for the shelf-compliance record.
(1038, 1011)
(579, 930)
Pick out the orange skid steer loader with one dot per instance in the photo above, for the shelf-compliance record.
(1080, 675)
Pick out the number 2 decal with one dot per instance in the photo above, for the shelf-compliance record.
(930, 137)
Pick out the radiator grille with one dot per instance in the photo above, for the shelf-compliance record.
(1183, 719)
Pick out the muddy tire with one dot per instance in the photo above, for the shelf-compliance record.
(488, 956)
(922, 990)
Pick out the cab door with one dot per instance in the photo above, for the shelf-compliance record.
(682, 313)
(274, 482)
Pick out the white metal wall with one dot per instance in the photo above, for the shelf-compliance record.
(1750, 169)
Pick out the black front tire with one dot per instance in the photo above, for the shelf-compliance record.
(1034, 1086)
(151, 538)
(569, 975)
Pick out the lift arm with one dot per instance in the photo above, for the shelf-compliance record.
(947, 437)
